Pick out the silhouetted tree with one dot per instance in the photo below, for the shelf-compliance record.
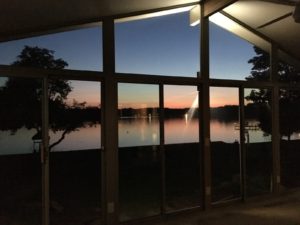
(261, 65)
(289, 101)
(260, 70)
(21, 98)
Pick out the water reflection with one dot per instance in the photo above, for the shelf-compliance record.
(137, 132)
(78, 140)
(180, 131)
(224, 131)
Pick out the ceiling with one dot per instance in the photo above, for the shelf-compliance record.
(30, 16)
(271, 18)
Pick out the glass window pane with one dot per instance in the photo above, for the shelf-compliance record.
(231, 56)
(289, 106)
(75, 155)
(79, 49)
(225, 146)
(139, 160)
(160, 45)
(287, 72)
(20, 139)
(182, 148)
(181, 114)
(138, 115)
(258, 141)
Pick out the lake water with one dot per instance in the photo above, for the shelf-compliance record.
(132, 132)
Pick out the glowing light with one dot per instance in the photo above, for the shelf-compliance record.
(189, 115)
(193, 108)
(223, 21)
(155, 14)
(195, 23)
(195, 15)
(154, 137)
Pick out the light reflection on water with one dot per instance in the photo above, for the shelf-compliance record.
(132, 132)
(138, 132)
(178, 131)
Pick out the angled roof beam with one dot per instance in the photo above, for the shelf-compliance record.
(213, 6)
(259, 34)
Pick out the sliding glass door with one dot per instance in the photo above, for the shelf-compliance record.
(75, 152)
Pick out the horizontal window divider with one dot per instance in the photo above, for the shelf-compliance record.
(39, 73)
(289, 85)
(22, 71)
(239, 83)
(156, 79)
(6, 70)
(80, 75)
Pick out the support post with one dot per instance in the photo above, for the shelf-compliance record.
(110, 174)
(275, 120)
(205, 116)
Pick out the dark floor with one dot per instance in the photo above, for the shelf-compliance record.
(280, 210)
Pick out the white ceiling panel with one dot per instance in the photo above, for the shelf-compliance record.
(285, 32)
(272, 20)
(257, 13)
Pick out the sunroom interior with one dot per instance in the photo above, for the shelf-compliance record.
(121, 111)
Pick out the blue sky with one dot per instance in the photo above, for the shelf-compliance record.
(164, 45)
(229, 54)
(82, 49)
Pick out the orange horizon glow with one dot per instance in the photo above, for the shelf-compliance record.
(180, 97)
(175, 96)
(85, 91)
(220, 96)
(137, 105)
(216, 104)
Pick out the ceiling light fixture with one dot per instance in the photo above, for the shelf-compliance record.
(195, 15)
(155, 14)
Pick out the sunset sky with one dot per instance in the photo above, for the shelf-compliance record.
(176, 96)
(220, 96)
(162, 46)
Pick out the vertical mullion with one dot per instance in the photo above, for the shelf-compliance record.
(44, 151)
(204, 62)
(102, 203)
(243, 159)
(162, 149)
(275, 121)
(200, 144)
